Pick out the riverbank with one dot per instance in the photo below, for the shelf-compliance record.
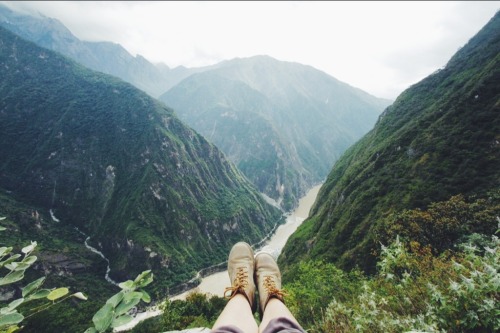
(216, 283)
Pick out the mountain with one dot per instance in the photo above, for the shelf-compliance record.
(439, 139)
(283, 124)
(105, 157)
(106, 57)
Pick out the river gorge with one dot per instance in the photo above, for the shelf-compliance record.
(216, 283)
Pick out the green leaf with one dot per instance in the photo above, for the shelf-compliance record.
(144, 279)
(145, 297)
(2, 228)
(103, 318)
(129, 301)
(28, 249)
(57, 293)
(122, 320)
(115, 299)
(12, 277)
(13, 329)
(19, 266)
(2, 218)
(11, 266)
(4, 251)
(42, 293)
(90, 330)
(29, 260)
(10, 319)
(127, 285)
(28, 289)
(10, 259)
(14, 304)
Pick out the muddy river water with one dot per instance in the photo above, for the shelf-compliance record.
(216, 283)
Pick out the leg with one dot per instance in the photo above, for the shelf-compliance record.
(275, 315)
(239, 310)
(237, 313)
(276, 309)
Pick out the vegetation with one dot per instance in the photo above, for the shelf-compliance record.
(33, 298)
(119, 165)
(198, 310)
(439, 139)
(115, 312)
(437, 277)
(413, 291)
(416, 288)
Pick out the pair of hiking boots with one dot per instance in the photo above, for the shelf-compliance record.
(245, 273)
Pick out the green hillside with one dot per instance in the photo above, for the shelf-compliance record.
(439, 139)
(107, 158)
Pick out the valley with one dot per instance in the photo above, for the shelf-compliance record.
(116, 166)
(214, 284)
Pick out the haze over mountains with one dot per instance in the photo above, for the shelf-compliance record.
(282, 124)
(106, 57)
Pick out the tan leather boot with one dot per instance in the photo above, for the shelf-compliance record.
(268, 278)
(240, 266)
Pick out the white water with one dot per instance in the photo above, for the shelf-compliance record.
(93, 249)
(54, 218)
(96, 251)
(216, 283)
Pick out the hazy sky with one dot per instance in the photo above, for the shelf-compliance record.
(380, 47)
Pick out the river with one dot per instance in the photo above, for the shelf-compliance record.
(216, 283)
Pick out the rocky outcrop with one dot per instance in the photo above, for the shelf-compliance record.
(59, 264)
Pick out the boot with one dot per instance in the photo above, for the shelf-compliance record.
(240, 266)
(268, 277)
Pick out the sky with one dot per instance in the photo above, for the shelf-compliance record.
(380, 47)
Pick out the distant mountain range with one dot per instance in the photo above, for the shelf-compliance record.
(107, 158)
(106, 57)
(440, 138)
(283, 124)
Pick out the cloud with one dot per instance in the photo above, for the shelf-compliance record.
(380, 47)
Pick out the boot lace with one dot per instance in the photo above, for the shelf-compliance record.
(239, 283)
(271, 289)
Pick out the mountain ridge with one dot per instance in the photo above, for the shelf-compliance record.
(438, 139)
(107, 57)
